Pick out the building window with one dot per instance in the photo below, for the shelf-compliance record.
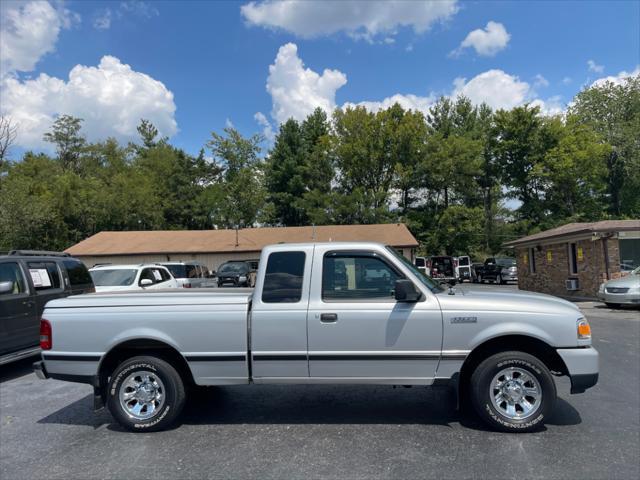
(532, 260)
(573, 258)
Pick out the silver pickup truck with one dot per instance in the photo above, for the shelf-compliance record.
(349, 313)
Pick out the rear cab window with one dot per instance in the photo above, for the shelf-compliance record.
(284, 277)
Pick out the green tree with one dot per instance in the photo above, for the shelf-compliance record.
(241, 188)
(613, 111)
(65, 135)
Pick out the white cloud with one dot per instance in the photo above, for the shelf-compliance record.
(594, 67)
(28, 32)
(486, 42)
(228, 123)
(267, 129)
(540, 81)
(138, 7)
(495, 88)
(617, 79)
(111, 98)
(296, 91)
(308, 19)
(102, 20)
(408, 102)
(566, 80)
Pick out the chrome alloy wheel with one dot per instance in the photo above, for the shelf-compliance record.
(515, 393)
(142, 395)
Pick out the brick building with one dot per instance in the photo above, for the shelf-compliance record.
(574, 259)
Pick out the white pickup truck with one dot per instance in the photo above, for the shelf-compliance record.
(349, 313)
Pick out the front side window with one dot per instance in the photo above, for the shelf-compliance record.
(44, 275)
(357, 276)
(10, 272)
(177, 270)
(113, 277)
(192, 271)
(283, 278)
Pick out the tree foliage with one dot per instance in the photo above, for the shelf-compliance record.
(463, 177)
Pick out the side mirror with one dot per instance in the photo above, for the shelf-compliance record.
(145, 282)
(405, 291)
(6, 287)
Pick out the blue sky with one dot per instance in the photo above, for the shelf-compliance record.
(193, 67)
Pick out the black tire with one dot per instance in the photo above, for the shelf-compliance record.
(481, 391)
(174, 394)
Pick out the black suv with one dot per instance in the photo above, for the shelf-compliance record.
(28, 280)
(236, 274)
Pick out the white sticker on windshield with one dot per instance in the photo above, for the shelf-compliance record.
(156, 273)
(40, 277)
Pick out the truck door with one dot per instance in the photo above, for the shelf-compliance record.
(279, 315)
(357, 330)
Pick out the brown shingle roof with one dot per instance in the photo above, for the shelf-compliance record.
(249, 239)
(577, 229)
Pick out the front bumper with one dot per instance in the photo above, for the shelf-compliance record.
(621, 298)
(582, 365)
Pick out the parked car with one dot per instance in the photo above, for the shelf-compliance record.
(189, 274)
(442, 268)
(150, 276)
(498, 270)
(621, 291)
(463, 268)
(337, 312)
(235, 274)
(28, 280)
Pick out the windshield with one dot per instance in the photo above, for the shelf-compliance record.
(120, 277)
(233, 268)
(506, 262)
(426, 281)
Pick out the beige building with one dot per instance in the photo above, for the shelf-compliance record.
(214, 247)
(574, 259)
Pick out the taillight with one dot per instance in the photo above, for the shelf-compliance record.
(46, 337)
(186, 285)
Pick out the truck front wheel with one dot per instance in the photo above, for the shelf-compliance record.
(513, 392)
(145, 394)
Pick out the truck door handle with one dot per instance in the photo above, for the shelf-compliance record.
(29, 303)
(328, 317)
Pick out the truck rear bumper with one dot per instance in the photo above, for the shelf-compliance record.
(582, 366)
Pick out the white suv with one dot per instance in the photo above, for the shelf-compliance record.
(111, 278)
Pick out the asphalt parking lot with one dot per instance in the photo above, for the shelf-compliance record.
(48, 429)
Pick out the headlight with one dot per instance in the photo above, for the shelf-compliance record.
(242, 278)
(584, 330)
(601, 288)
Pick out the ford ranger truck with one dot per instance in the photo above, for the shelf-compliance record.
(321, 313)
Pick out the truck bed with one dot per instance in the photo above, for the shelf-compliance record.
(208, 328)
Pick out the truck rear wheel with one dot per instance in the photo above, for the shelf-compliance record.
(513, 392)
(145, 394)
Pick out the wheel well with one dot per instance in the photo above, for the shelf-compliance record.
(522, 343)
(133, 348)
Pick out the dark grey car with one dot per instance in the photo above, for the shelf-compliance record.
(28, 280)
